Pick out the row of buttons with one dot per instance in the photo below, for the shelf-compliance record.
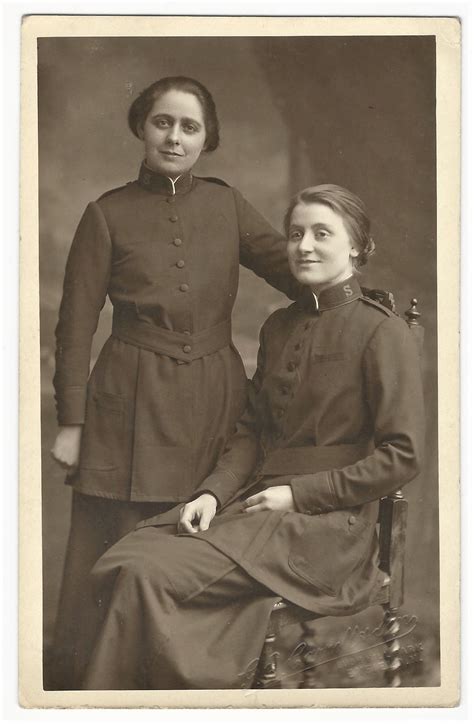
(285, 389)
(186, 349)
(180, 264)
(177, 243)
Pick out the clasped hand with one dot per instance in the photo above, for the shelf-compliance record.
(67, 446)
(274, 498)
(197, 515)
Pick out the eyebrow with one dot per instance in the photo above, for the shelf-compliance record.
(318, 225)
(322, 224)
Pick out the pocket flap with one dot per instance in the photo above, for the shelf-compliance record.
(108, 400)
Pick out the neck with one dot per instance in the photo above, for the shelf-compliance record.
(173, 179)
(160, 183)
(317, 289)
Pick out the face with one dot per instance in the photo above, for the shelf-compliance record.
(320, 250)
(174, 133)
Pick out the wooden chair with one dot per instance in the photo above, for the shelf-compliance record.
(392, 523)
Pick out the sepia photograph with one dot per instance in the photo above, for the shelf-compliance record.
(239, 268)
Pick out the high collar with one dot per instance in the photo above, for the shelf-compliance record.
(340, 294)
(159, 184)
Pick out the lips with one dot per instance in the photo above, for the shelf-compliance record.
(172, 154)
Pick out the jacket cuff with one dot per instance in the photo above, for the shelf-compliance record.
(71, 406)
(221, 483)
(314, 493)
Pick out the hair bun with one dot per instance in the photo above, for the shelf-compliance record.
(368, 250)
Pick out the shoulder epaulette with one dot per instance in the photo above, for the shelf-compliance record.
(114, 191)
(213, 180)
(378, 305)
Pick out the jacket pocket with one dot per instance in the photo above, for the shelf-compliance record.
(319, 357)
(103, 441)
(330, 548)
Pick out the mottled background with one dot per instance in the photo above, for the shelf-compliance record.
(294, 112)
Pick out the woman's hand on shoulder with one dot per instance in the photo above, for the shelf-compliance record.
(275, 498)
(67, 447)
(197, 515)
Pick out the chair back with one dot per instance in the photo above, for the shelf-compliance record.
(393, 509)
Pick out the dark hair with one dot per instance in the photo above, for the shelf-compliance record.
(348, 206)
(142, 106)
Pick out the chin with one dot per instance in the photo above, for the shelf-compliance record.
(308, 279)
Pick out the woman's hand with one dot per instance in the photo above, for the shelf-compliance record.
(67, 447)
(275, 498)
(198, 514)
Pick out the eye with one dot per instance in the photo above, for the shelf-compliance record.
(161, 122)
(190, 128)
(321, 234)
(295, 235)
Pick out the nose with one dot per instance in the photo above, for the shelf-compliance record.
(174, 136)
(305, 245)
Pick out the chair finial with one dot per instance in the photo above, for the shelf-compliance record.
(412, 314)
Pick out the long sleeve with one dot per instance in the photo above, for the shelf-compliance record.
(86, 282)
(263, 249)
(240, 455)
(392, 380)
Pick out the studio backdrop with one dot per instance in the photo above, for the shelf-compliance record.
(294, 112)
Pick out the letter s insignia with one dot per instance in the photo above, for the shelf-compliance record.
(348, 290)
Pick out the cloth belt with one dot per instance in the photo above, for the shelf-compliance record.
(301, 460)
(177, 345)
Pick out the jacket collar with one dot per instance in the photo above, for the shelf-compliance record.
(340, 294)
(160, 184)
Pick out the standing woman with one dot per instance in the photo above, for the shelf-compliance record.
(148, 425)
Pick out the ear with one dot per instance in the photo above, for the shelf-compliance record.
(140, 132)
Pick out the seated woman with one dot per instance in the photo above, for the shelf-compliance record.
(334, 422)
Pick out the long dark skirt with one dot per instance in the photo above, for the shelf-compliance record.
(96, 524)
(177, 614)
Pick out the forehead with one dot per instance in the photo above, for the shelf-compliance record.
(315, 213)
(178, 104)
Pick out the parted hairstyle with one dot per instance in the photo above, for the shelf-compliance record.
(143, 104)
(348, 206)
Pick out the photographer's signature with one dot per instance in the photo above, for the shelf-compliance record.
(335, 651)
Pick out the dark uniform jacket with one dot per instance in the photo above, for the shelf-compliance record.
(168, 385)
(336, 413)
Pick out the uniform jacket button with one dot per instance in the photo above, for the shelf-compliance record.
(180, 263)
(187, 348)
(173, 218)
(186, 332)
(177, 242)
(184, 287)
(352, 519)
